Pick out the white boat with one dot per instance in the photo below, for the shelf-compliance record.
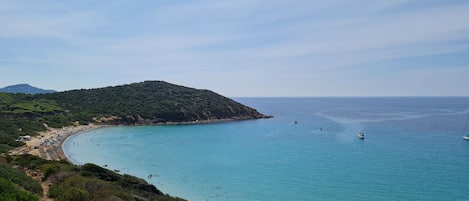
(361, 136)
(465, 134)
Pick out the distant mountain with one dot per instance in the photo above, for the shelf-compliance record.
(26, 89)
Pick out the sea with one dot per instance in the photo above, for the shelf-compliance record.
(413, 150)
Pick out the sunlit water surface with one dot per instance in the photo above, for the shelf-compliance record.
(413, 150)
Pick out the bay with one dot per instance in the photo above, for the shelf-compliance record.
(413, 150)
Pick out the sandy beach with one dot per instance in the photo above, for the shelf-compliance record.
(48, 144)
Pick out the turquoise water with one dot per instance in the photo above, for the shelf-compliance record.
(413, 151)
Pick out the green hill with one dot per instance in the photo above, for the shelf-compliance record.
(152, 102)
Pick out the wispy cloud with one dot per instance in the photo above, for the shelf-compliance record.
(281, 43)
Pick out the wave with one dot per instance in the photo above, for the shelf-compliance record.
(370, 117)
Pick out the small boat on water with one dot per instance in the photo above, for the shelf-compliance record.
(465, 134)
(361, 136)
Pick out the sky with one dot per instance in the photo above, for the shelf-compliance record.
(241, 48)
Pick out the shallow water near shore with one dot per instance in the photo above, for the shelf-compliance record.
(413, 150)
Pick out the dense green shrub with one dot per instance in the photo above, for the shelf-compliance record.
(49, 169)
(128, 181)
(92, 170)
(29, 161)
(71, 182)
(8, 192)
(20, 179)
(74, 194)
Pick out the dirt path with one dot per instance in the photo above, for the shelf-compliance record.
(45, 190)
(36, 175)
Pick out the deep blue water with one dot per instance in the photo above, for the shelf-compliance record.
(413, 151)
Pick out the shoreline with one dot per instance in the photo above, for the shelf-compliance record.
(149, 122)
(48, 144)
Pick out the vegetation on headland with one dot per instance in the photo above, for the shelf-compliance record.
(67, 182)
(151, 102)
